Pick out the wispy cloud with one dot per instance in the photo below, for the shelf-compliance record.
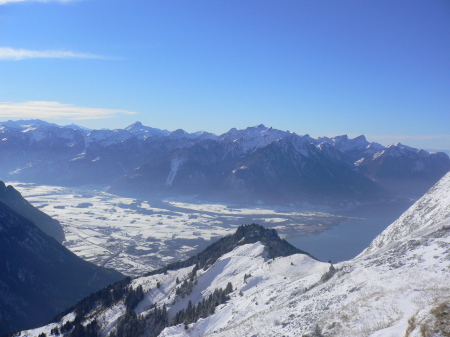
(55, 110)
(4, 2)
(12, 54)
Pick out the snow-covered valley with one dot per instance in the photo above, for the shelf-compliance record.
(135, 236)
(397, 287)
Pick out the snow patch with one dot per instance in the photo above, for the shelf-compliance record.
(174, 167)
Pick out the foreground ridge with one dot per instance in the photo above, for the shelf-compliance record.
(397, 287)
(181, 292)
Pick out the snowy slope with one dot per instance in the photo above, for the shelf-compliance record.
(396, 287)
(271, 282)
(427, 214)
(379, 293)
(267, 280)
(108, 137)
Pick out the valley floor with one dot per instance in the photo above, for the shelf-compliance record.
(135, 236)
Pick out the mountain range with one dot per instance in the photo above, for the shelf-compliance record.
(252, 283)
(255, 165)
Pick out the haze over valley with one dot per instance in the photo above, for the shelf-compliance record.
(136, 236)
(159, 217)
(224, 168)
(183, 191)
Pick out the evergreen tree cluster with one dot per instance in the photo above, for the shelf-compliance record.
(188, 284)
(77, 329)
(157, 321)
(54, 331)
(66, 327)
(113, 294)
(106, 297)
(204, 308)
(245, 234)
(133, 297)
(129, 325)
(133, 325)
(185, 288)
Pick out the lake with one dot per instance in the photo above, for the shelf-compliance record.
(349, 238)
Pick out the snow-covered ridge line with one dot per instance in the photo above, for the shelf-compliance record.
(259, 135)
(142, 161)
(245, 141)
(239, 142)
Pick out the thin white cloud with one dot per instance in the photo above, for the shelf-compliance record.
(55, 110)
(4, 2)
(12, 54)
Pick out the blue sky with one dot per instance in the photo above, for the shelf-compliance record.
(374, 67)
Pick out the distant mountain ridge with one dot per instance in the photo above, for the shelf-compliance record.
(254, 165)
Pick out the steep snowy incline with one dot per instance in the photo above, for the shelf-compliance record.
(260, 283)
(399, 289)
(427, 213)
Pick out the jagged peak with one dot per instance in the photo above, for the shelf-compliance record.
(257, 127)
(341, 137)
(400, 145)
(134, 125)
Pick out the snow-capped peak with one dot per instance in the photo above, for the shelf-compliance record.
(25, 123)
(135, 125)
(143, 132)
(252, 138)
(254, 132)
(108, 137)
(77, 127)
(345, 144)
